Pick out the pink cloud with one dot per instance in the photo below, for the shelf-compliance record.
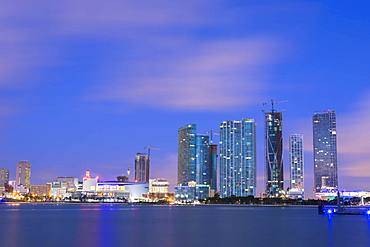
(210, 76)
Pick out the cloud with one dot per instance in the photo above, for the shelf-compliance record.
(353, 140)
(212, 75)
(354, 129)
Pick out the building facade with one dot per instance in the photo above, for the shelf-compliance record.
(23, 176)
(238, 158)
(186, 154)
(274, 153)
(325, 151)
(202, 169)
(40, 189)
(142, 168)
(4, 177)
(213, 157)
(191, 192)
(197, 160)
(296, 162)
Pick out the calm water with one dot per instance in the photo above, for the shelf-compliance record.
(119, 225)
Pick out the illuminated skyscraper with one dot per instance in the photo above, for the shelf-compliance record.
(238, 158)
(296, 162)
(197, 161)
(186, 154)
(325, 151)
(4, 176)
(202, 169)
(274, 153)
(23, 176)
(142, 163)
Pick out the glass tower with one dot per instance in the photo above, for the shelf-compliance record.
(238, 158)
(213, 166)
(186, 154)
(142, 164)
(203, 170)
(274, 153)
(296, 161)
(325, 151)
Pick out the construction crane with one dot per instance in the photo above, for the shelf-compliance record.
(273, 104)
(149, 148)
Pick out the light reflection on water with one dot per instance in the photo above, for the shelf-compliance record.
(125, 225)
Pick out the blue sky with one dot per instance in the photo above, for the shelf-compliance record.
(86, 85)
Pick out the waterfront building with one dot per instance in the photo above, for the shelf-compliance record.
(325, 151)
(238, 158)
(142, 167)
(132, 192)
(69, 183)
(186, 154)
(296, 162)
(158, 186)
(197, 159)
(213, 157)
(40, 189)
(191, 192)
(89, 183)
(23, 176)
(202, 169)
(274, 153)
(159, 190)
(4, 177)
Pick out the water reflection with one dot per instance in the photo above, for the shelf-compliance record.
(330, 231)
(122, 225)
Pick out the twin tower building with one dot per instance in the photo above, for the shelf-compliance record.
(198, 157)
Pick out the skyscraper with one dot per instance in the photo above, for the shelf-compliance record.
(4, 176)
(325, 151)
(238, 158)
(186, 154)
(274, 153)
(197, 161)
(142, 163)
(23, 176)
(296, 162)
(202, 169)
(213, 166)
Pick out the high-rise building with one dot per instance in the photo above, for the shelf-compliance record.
(186, 154)
(213, 167)
(142, 163)
(23, 176)
(4, 176)
(238, 158)
(197, 161)
(325, 151)
(274, 153)
(296, 162)
(202, 169)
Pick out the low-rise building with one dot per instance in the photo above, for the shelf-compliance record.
(191, 192)
(131, 191)
(40, 189)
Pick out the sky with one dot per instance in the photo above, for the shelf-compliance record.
(86, 84)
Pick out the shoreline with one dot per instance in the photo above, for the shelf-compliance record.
(167, 205)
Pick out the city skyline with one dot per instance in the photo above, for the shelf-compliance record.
(200, 146)
(78, 89)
